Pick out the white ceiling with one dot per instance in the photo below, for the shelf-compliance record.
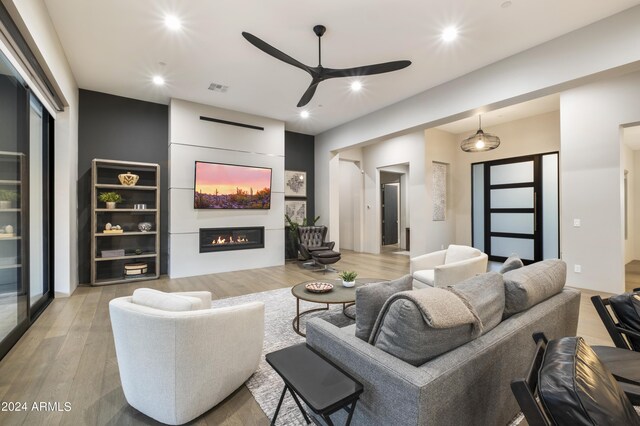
(115, 46)
(631, 137)
(505, 115)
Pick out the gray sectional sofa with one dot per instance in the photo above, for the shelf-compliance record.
(469, 385)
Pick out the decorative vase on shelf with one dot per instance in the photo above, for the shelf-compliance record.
(111, 205)
(128, 179)
(144, 226)
(348, 283)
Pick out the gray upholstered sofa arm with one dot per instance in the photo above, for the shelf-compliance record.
(393, 387)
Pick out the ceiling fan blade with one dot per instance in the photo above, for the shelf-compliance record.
(367, 69)
(270, 50)
(311, 90)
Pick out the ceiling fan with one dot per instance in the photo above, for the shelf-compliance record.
(320, 73)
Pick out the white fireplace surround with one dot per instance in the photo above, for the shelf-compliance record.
(192, 139)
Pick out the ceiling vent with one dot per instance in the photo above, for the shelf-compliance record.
(218, 87)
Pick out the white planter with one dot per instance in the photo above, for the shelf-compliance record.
(111, 205)
(5, 204)
(348, 283)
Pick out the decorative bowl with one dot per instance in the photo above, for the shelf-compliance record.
(319, 287)
(128, 179)
(144, 226)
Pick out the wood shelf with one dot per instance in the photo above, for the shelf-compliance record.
(109, 270)
(102, 234)
(127, 210)
(10, 182)
(10, 238)
(108, 281)
(10, 210)
(125, 257)
(133, 187)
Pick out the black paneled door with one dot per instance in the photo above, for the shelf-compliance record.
(389, 214)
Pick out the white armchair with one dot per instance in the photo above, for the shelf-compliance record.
(447, 267)
(177, 356)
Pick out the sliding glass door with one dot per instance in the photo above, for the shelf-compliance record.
(25, 275)
(515, 207)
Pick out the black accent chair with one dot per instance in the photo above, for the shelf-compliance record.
(623, 360)
(313, 246)
(573, 387)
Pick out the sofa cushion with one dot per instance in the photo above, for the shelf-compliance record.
(577, 389)
(425, 276)
(513, 262)
(369, 301)
(627, 308)
(485, 293)
(419, 325)
(530, 285)
(457, 253)
(165, 301)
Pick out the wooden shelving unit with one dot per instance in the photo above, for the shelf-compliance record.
(110, 270)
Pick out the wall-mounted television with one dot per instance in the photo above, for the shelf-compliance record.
(228, 186)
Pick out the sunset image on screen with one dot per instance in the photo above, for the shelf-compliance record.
(222, 186)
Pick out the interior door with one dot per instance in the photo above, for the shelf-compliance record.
(389, 214)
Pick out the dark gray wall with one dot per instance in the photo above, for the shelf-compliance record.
(299, 155)
(116, 128)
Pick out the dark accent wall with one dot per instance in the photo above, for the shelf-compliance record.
(299, 155)
(116, 128)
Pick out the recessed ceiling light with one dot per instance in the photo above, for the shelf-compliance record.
(172, 22)
(304, 114)
(158, 80)
(356, 86)
(449, 34)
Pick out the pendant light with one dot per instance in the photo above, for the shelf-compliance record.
(481, 141)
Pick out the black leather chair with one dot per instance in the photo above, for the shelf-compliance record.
(313, 246)
(623, 360)
(573, 388)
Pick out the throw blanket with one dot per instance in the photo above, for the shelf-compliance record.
(442, 307)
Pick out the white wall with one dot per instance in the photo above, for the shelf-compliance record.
(628, 165)
(532, 135)
(351, 190)
(33, 17)
(591, 179)
(441, 147)
(408, 149)
(191, 140)
(634, 219)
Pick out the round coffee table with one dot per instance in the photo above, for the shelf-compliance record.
(338, 295)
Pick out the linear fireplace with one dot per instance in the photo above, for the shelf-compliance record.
(223, 239)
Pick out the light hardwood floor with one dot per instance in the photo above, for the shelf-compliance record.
(68, 355)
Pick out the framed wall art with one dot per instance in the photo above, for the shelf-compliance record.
(295, 184)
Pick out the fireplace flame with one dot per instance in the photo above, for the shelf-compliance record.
(221, 240)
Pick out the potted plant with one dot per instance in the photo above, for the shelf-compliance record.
(348, 278)
(292, 243)
(110, 198)
(6, 198)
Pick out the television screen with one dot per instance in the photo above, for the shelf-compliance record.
(227, 186)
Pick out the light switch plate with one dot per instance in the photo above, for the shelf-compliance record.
(576, 223)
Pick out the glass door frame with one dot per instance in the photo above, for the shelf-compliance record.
(48, 132)
(537, 209)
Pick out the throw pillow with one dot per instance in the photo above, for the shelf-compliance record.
(527, 286)
(370, 299)
(457, 253)
(417, 326)
(513, 262)
(165, 301)
(485, 293)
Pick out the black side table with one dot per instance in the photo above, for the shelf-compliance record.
(324, 387)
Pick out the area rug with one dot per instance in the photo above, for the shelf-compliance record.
(279, 309)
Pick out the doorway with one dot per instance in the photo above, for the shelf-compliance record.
(515, 208)
(391, 200)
